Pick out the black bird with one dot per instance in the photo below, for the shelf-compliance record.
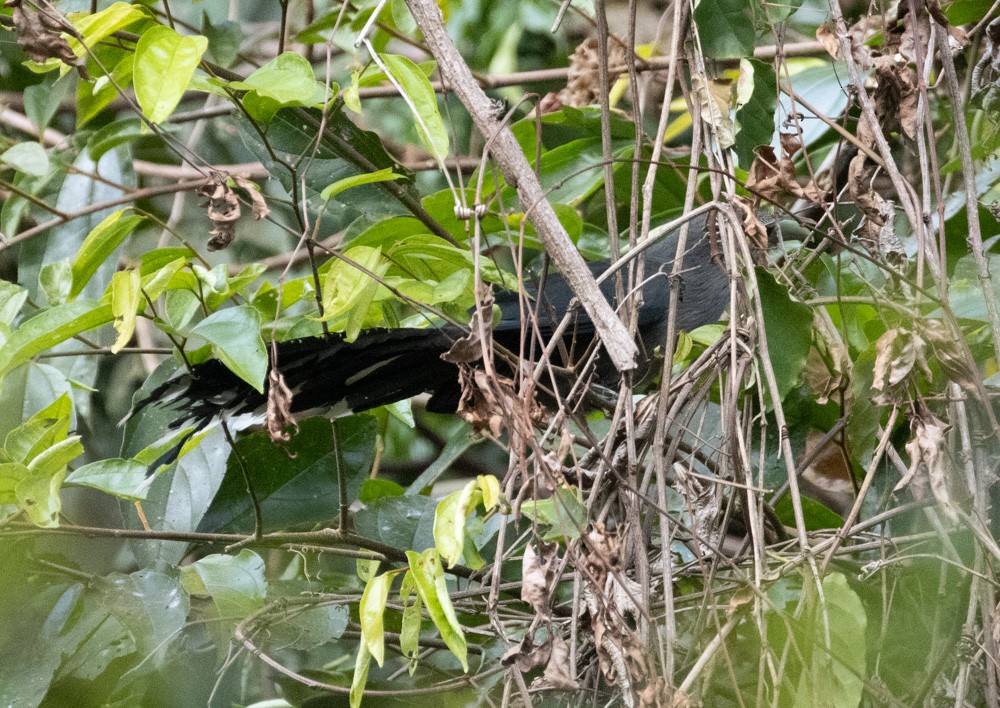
(386, 365)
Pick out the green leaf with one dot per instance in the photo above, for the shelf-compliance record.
(296, 483)
(50, 327)
(164, 64)
(449, 521)
(835, 627)
(156, 283)
(287, 79)
(100, 244)
(126, 296)
(564, 514)
(123, 478)
(224, 39)
(409, 633)
(12, 298)
(725, 28)
(360, 677)
(756, 98)
(235, 337)
(53, 460)
(11, 473)
(788, 325)
(56, 281)
(417, 87)
(119, 132)
(342, 185)
(98, 26)
(235, 583)
(28, 157)
(490, 487)
(349, 292)
(371, 610)
(38, 496)
(428, 575)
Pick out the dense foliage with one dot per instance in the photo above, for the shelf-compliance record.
(796, 508)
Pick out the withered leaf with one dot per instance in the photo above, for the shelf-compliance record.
(279, 408)
(39, 34)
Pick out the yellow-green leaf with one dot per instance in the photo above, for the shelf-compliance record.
(341, 185)
(126, 294)
(371, 610)
(423, 102)
(428, 575)
(449, 521)
(164, 64)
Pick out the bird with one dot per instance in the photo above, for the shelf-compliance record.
(383, 366)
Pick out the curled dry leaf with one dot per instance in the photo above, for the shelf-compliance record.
(877, 229)
(39, 34)
(583, 83)
(929, 457)
(897, 352)
(826, 36)
(259, 208)
(279, 408)
(715, 97)
(771, 178)
(224, 207)
(223, 211)
(538, 569)
(558, 673)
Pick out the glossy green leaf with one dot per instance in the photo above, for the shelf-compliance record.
(756, 98)
(428, 576)
(725, 28)
(122, 478)
(100, 243)
(126, 296)
(296, 483)
(50, 327)
(342, 185)
(164, 64)
(235, 337)
(99, 25)
(371, 610)
(235, 583)
(28, 157)
(417, 87)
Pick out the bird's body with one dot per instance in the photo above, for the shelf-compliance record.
(387, 365)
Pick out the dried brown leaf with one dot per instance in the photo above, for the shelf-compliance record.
(223, 209)
(927, 452)
(39, 34)
(279, 408)
(258, 205)
(828, 38)
(558, 673)
(538, 569)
